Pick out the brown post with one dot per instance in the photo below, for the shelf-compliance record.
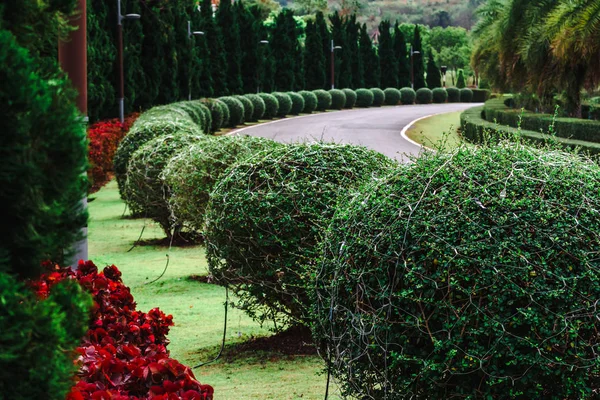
(332, 66)
(120, 63)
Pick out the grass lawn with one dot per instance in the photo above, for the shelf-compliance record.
(244, 371)
(438, 132)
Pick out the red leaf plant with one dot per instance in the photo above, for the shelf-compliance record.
(124, 354)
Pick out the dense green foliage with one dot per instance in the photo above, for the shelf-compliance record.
(364, 98)
(378, 97)
(310, 101)
(480, 95)
(474, 274)
(407, 95)
(418, 60)
(285, 103)
(460, 81)
(424, 96)
(248, 108)
(387, 56)
(350, 98)
(225, 111)
(453, 95)
(236, 111)
(323, 99)
(258, 106)
(216, 114)
(314, 56)
(338, 99)
(439, 95)
(392, 96)
(401, 52)
(271, 105)
(282, 200)
(434, 76)
(297, 103)
(466, 95)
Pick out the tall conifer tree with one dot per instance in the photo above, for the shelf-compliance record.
(217, 61)
(249, 42)
(183, 46)
(418, 65)
(343, 67)
(370, 59)
(355, 56)
(387, 58)
(402, 56)
(434, 77)
(314, 59)
(201, 74)
(283, 42)
(230, 30)
(323, 30)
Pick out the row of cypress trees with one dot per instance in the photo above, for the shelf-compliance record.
(161, 61)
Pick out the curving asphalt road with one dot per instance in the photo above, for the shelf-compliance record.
(376, 128)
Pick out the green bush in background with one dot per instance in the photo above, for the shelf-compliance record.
(460, 80)
(297, 103)
(323, 99)
(216, 114)
(350, 98)
(439, 95)
(248, 108)
(364, 98)
(285, 103)
(466, 95)
(453, 95)
(271, 105)
(258, 106)
(378, 97)
(338, 99)
(225, 111)
(407, 96)
(236, 111)
(424, 96)
(310, 101)
(392, 96)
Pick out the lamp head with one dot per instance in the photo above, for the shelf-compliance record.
(131, 16)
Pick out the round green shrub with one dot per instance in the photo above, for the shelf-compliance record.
(466, 95)
(424, 96)
(407, 96)
(248, 107)
(392, 96)
(145, 190)
(310, 101)
(193, 112)
(225, 112)
(453, 95)
(439, 95)
(216, 114)
(364, 98)
(265, 215)
(338, 99)
(297, 103)
(323, 99)
(258, 106)
(475, 269)
(271, 105)
(378, 97)
(143, 130)
(236, 111)
(192, 173)
(350, 98)
(285, 103)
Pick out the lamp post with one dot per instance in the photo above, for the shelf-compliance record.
(120, 18)
(257, 69)
(333, 49)
(412, 67)
(190, 34)
(444, 68)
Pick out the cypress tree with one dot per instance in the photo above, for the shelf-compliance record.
(183, 46)
(283, 42)
(460, 81)
(201, 74)
(402, 57)
(387, 58)
(323, 30)
(343, 67)
(265, 64)
(249, 43)
(314, 59)
(216, 49)
(434, 77)
(298, 54)
(355, 56)
(230, 30)
(169, 88)
(419, 68)
(370, 59)
(132, 57)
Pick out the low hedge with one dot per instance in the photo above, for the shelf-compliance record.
(378, 97)
(236, 111)
(407, 96)
(224, 111)
(424, 96)
(248, 108)
(310, 101)
(439, 95)
(271, 105)
(453, 95)
(297, 103)
(338, 99)
(350, 98)
(258, 106)
(364, 98)
(392, 96)
(481, 95)
(466, 95)
(285, 103)
(216, 114)
(323, 99)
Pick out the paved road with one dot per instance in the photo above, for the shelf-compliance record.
(376, 128)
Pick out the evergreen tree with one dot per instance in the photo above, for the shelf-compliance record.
(434, 77)
(298, 55)
(217, 63)
(265, 64)
(183, 46)
(283, 45)
(370, 59)
(343, 68)
(132, 57)
(323, 30)
(230, 30)
(354, 55)
(201, 74)
(249, 42)
(419, 68)
(402, 56)
(460, 81)
(314, 59)
(387, 58)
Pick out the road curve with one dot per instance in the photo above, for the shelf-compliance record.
(376, 128)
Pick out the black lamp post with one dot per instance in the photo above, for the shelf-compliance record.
(190, 34)
(412, 67)
(120, 18)
(333, 49)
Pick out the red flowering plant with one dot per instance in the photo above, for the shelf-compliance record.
(104, 138)
(124, 354)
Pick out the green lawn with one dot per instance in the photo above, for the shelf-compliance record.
(197, 310)
(438, 132)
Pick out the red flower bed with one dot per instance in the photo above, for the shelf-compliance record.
(124, 354)
(104, 138)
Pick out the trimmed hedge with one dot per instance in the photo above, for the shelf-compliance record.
(323, 99)
(285, 103)
(407, 96)
(258, 106)
(378, 97)
(297, 103)
(310, 101)
(271, 105)
(236, 111)
(466, 95)
(392, 96)
(216, 114)
(281, 200)
(225, 112)
(338, 99)
(350, 98)
(453, 95)
(439, 95)
(364, 98)
(424, 96)
(248, 107)
(481, 95)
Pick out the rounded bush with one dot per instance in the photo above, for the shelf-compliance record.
(453, 95)
(281, 200)
(364, 98)
(350, 98)
(463, 270)
(192, 173)
(236, 111)
(392, 96)
(323, 99)
(310, 101)
(466, 95)
(143, 130)
(271, 105)
(216, 114)
(145, 191)
(424, 96)
(285, 103)
(338, 99)
(188, 107)
(258, 106)
(225, 112)
(439, 95)
(248, 107)
(297, 103)
(378, 97)
(407, 96)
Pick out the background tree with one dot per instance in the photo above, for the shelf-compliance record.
(314, 59)
(284, 42)
(434, 77)
(370, 59)
(387, 57)
(201, 71)
(230, 30)
(325, 34)
(354, 55)
(183, 45)
(343, 67)
(401, 53)
(218, 62)
(249, 44)
(418, 65)
(461, 81)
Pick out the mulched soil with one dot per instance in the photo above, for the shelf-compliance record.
(296, 341)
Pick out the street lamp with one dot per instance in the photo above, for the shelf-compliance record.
(444, 68)
(257, 69)
(120, 18)
(412, 68)
(333, 49)
(190, 34)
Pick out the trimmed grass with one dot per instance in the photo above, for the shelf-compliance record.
(438, 132)
(197, 310)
